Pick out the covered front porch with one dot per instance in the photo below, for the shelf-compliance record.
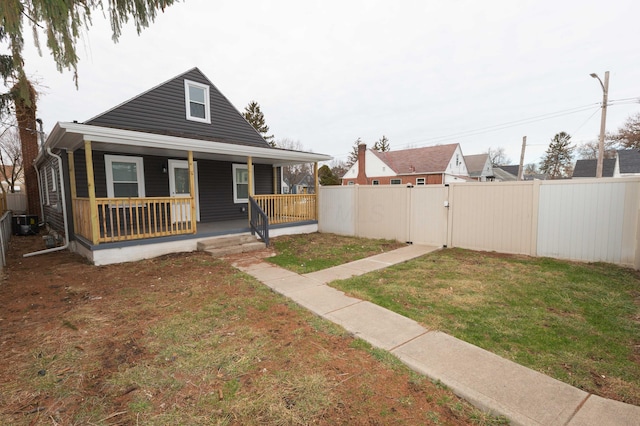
(124, 186)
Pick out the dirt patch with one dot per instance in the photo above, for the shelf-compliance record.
(186, 339)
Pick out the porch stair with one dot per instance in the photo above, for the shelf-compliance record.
(224, 246)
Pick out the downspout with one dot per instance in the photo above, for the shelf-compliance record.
(64, 211)
(40, 195)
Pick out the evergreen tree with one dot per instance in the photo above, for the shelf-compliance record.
(63, 21)
(382, 145)
(557, 161)
(327, 177)
(353, 155)
(255, 117)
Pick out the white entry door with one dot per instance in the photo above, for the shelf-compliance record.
(179, 188)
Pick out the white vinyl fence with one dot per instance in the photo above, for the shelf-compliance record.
(5, 236)
(17, 202)
(586, 220)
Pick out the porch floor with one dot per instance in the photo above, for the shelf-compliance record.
(204, 230)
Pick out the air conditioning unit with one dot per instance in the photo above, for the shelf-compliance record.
(25, 224)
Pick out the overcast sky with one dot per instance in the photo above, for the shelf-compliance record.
(483, 74)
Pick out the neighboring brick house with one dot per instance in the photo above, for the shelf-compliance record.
(439, 164)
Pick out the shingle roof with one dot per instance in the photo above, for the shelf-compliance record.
(432, 159)
(475, 164)
(503, 175)
(513, 169)
(587, 168)
(629, 161)
(161, 110)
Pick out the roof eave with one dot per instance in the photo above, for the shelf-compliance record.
(72, 135)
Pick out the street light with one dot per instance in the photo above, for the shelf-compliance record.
(603, 120)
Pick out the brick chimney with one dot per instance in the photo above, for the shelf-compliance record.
(362, 175)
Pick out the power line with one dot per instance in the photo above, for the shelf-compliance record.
(515, 123)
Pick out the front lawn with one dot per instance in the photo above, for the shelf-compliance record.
(579, 323)
(312, 252)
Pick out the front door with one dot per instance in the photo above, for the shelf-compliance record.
(179, 188)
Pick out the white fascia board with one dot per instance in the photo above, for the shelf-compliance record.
(151, 140)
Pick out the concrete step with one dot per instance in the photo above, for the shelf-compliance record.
(228, 241)
(240, 248)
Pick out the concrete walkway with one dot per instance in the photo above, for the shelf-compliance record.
(486, 380)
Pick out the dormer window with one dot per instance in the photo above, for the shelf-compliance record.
(196, 97)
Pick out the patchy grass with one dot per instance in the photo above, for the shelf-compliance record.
(312, 252)
(579, 323)
(186, 339)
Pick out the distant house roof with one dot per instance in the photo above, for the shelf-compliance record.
(629, 161)
(502, 175)
(512, 169)
(475, 164)
(432, 159)
(587, 168)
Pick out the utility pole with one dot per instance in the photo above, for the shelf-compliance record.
(521, 168)
(603, 120)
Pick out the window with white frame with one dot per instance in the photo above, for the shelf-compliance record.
(396, 181)
(196, 97)
(420, 181)
(125, 176)
(240, 183)
(351, 183)
(375, 182)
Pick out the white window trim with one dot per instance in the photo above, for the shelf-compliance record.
(109, 159)
(46, 188)
(187, 102)
(398, 181)
(54, 185)
(234, 167)
(421, 181)
(375, 182)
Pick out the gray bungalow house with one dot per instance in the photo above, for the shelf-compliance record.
(164, 170)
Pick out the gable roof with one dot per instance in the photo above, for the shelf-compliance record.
(629, 161)
(503, 175)
(512, 169)
(587, 168)
(475, 164)
(431, 159)
(161, 110)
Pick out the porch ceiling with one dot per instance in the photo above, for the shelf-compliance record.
(71, 136)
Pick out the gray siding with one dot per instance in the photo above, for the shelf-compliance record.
(215, 183)
(162, 110)
(52, 198)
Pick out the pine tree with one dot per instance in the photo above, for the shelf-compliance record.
(557, 161)
(255, 117)
(382, 145)
(353, 155)
(326, 176)
(63, 21)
